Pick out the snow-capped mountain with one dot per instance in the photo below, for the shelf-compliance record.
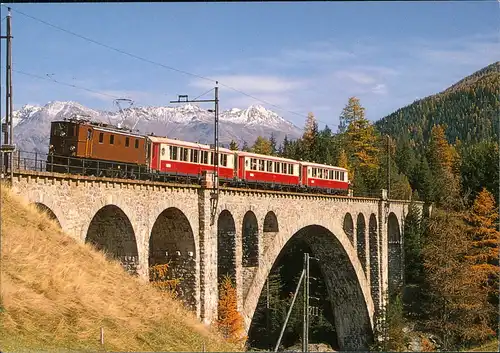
(186, 122)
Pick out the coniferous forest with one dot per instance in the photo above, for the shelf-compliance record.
(442, 150)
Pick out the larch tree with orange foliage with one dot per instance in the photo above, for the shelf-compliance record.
(230, 322)
(456, 305)
(482, 220)
(443, 162)
(160, 278)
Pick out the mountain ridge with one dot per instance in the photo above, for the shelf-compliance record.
(186, 122)
(469, 109)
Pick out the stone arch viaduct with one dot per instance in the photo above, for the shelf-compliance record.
(358, 240)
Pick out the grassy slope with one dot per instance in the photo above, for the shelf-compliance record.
(57, 293)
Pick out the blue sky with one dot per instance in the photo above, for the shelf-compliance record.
(300, 56)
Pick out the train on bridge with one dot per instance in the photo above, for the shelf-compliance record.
(82, 146)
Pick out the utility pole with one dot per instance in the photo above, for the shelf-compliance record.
(214, 195)
(305, 327)
(388, 167)
(7, 148)
(305, 323)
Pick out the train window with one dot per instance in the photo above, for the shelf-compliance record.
(194, 156)
(342, 176)
(163, 151)
(111, 139)
(101, 137)
(283, 168)
(136, 143)
(261, 165)
(253, 163)
(336, 175)
(204, 157)
(314, 172)
(276, 167)
(185, 154)
(290, 169)
(270, 166)
(89, 134)
(223, 160)
(330, 175)
(211, 155)
(127, 141)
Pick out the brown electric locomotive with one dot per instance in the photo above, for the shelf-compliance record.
(95, 148)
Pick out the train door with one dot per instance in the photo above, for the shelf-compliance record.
(155, 158)
(88, 143)
(305, 175)
(236, 165)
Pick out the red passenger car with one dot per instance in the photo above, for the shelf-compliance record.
(254, 167)
(324, 176)
(186, 158)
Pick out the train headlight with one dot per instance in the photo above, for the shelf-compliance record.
(72, 148)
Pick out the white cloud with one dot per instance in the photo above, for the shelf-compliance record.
(471, 50)
(241, 101)
(380, 88)
(138, 97)
(253, 83)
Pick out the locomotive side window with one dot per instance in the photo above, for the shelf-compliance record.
(101, 137)
(111, 139)
(89, 134)
(127, 141)
(136, 143)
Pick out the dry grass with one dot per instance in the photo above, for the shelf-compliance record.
(58, 293)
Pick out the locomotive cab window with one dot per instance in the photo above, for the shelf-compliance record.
(111, 139)
(101, 137)
(136, 143)
(127, 141)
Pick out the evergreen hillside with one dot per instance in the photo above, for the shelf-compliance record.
(57, 293)
(469, 109)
